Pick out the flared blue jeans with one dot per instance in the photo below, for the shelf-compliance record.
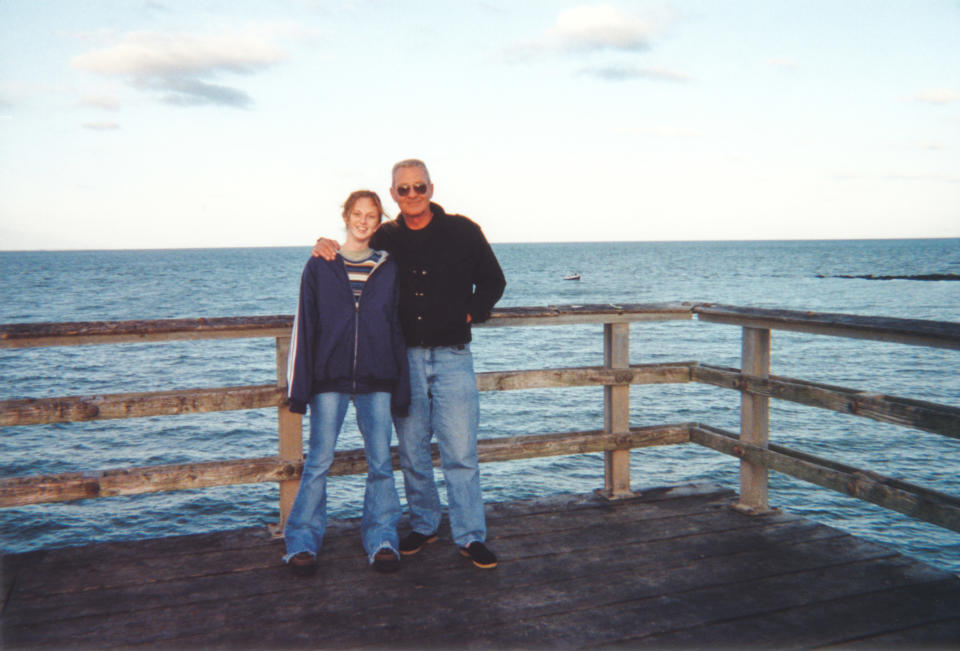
(307, 521)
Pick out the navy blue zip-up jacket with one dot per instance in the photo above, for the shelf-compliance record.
(344, 346)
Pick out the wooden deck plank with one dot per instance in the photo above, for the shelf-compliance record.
(665, 569)
(840, 620)
(692, 617)
(540, 566)
(75, 573)
(581, 603)
(431, 569)
(935, 635)
(204, 554)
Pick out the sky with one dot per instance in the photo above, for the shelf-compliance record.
(227, 123)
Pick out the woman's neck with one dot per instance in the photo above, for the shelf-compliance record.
(355, 248)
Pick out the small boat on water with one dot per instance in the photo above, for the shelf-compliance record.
(572, 277)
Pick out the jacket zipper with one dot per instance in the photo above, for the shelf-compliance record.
(356, 322)
(356, 339)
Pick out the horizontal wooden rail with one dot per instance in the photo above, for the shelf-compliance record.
(37, 489)
(920, 503)
(36, 411)
(29, 335)
(667, 373)
(940, 334)
(927, 416)
(553, 315)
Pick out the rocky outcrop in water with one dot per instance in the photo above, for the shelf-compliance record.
(910, 277)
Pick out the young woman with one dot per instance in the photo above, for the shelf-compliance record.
(347, 346)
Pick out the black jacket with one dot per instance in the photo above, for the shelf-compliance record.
(340, 345)
(447, 270)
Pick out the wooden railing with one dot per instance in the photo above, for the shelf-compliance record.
(751, 445)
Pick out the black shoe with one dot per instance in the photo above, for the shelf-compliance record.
(480, 555)
(303, 564)
(414, 541)
(385, 561)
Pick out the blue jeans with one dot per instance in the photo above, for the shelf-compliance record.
(444, 403)
(307, 521)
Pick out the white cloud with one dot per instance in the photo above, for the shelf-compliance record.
(20, 93)
(899, 177)
(102, 102)
(667, 132)
(937, 96)
(629, 73)
(156, 54)
(181, 67)
(783, 63)
(589, 28)
(101, 126)
(600, 27)
(157, 6)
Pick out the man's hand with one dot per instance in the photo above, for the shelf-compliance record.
(326, 249)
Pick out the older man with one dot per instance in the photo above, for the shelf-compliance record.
(449, 279)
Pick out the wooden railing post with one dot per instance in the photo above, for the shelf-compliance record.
(616, 409)
(290, 435)
(754, 421)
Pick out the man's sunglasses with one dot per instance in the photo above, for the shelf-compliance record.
(404, 190)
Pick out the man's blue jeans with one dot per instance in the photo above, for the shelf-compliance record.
(444, 403)
(307, 521)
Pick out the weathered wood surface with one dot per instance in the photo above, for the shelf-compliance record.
(289, 435)
(918, 414)
(670, 568)
(942, 334)
(667, 373)
(27, 335)
(65, 487)
(920, 503)
(36, 411)
(549, 315)
(939, 334)
(616, 409)
(754, 421)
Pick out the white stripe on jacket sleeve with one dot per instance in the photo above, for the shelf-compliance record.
(292, 353)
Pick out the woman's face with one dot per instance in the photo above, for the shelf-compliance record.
(362, 220)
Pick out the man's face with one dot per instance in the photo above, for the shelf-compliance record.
(406, 182)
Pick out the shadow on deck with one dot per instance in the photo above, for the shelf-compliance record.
(672, 567)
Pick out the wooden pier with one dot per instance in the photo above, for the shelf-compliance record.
(668, 568)
(692, 566)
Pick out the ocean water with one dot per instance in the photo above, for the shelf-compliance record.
(121, 285)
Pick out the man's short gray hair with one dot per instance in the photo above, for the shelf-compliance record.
(410, 162)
